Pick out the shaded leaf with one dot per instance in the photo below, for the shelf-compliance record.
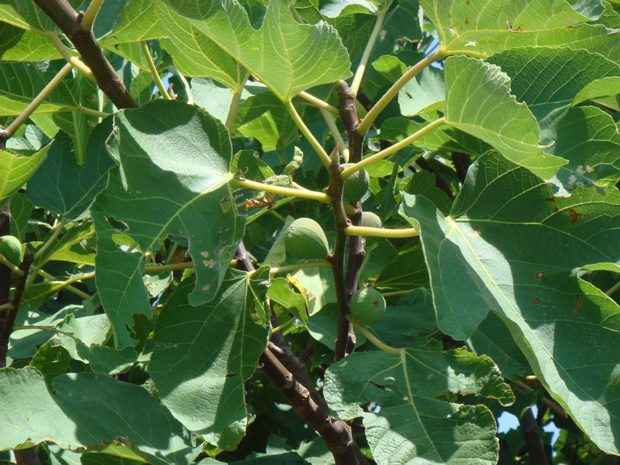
(426, 90)
(571, 70)
(409, 423)
(204, 354)
(22, 82)
(173, 179)
(588, 138)
(406, 272)
(21, 209)
(86, 411)
(66, 188)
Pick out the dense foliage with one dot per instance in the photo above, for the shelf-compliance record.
(183, 288)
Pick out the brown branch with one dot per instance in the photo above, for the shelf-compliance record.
(26, 456)
(345, 337)
(5, 278)
(291, 378)
(439, 181)
(69, 22)
(533, 439)
(461, 162)
(11, 314)
(336, 433)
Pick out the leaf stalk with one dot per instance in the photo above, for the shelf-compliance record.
(372, 338)
(380, 232)
(361, 68)
(394, 148)
(153, 69)
(307, 134)
(283, 191)
(38, 100)
(393, 91)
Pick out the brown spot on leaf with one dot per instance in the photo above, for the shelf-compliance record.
(539, 275)
(536, 301)
(574, 216)
(476, 233)
(466, 21)
(577, 304)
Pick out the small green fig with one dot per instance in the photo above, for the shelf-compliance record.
(356, 185)
(367, 306)
(11, 248)
(370, 220)
(305, 239)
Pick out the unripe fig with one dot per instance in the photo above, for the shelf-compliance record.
(11, 248)
(355, 185)
(305, 239)
(370, 220)
(367, 306)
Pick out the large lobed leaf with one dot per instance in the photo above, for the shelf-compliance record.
(479, 102)
(172, 178)
(511, 246)
(88, 410)
(66, 188)
(203, 356)
(15, 170)
(406, 422)
(483, 28)
(282, 53)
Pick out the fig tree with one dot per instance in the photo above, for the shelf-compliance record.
(367, 306)
(11, 248)
(305, 239)
(355, 185)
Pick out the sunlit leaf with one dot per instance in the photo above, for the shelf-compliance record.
(479, 102)
(282, 53)
(512, 247)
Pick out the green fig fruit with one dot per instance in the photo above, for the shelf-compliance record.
(367, 306)
(11, 248)
(371, 220)
(356, 185)
(305, 239)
